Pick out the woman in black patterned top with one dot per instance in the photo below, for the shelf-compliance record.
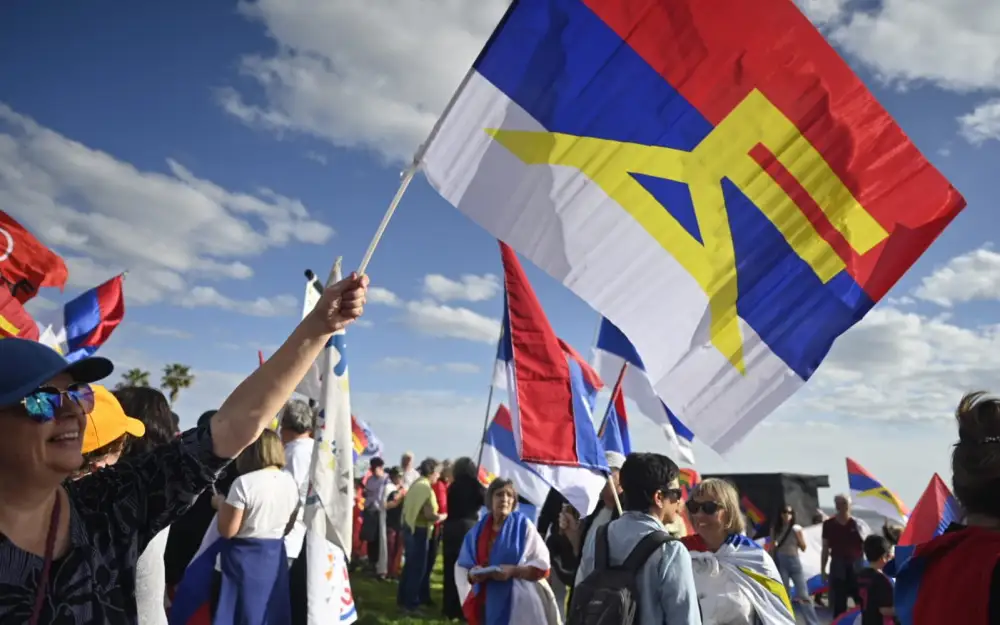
(68, 550)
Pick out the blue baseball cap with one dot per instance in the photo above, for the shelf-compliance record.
(25, 365)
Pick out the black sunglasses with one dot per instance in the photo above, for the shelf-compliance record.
(674, 494)
(708, 507)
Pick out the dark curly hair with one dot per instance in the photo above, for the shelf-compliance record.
(152, 408)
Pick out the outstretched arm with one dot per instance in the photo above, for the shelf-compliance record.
(252, 406)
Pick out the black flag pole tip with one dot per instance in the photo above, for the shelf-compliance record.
(310, 276)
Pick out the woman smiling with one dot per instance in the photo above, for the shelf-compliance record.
(737, 581)
(69, 549)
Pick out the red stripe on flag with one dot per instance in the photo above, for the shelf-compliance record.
(542, 376)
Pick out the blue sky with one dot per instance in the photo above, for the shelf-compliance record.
(217, 150)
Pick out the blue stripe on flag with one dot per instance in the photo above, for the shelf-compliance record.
(559, 62)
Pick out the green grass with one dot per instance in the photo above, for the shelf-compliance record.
(376, 601)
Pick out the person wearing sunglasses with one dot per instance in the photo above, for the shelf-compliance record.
(664, 584)
(737, 581)
(69, 548)
(787, 540)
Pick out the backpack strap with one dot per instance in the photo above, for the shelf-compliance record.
(649, 544)
(602, 548)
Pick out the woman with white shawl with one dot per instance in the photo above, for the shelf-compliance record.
(502, 569)
(737, 581)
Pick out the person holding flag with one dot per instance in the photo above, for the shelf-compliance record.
(63, 538)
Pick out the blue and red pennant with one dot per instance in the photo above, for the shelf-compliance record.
(614, 432)
(92, 317)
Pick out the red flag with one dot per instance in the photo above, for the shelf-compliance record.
(14, 319)
(26, 264)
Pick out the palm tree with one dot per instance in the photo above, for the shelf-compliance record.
(134, 377)
(175, 377)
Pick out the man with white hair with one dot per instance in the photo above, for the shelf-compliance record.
(410, 474)
(843, 541)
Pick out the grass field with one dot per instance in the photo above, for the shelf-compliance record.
(376, 601)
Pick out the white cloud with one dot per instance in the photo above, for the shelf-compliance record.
(899, 366)
(822, 11)
(954, 44)
(970, 277)
(380, 295)
(206, 296)
(439, 320)
(982, 124)
(316, 157)
(412, 365)
(469, 288)
(173, 333)
(166, 229)
(373, 74)
(443, 321)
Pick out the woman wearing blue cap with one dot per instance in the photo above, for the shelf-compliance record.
(68, 550)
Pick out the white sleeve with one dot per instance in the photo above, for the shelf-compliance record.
(298, 468)
(797, 528)
(237, 497)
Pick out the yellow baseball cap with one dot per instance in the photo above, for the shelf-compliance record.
(108, 422)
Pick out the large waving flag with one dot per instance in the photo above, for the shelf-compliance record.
(868, 493)
(87, 321)
(615, 356)
(330, 500)
(27, 265)
(500, 458)
(709, 176)
(551, 392)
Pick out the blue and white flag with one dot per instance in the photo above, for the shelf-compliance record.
(330, 501)
(611, 353)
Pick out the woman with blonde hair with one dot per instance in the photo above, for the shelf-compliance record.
(737, 581)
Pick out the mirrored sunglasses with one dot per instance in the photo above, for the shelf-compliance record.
(43, 404)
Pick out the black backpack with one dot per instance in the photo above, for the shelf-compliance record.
(608, 596)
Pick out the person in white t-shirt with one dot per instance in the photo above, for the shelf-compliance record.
(296, 435)
(264, 500)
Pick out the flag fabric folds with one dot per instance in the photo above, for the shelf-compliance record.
(15, 321)
(613, 432)
(311, 385)
(614, 353)
(85, 322)
(936, 509)
(254, 581)
(330, 499)
(867, 493)
(551, 392)
(500, 458)
(27, 265)
(749, 568)
(709, 176)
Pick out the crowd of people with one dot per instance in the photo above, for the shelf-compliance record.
(106, 504)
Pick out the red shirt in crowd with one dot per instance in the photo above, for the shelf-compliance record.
(441, 494)
(844, 539)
